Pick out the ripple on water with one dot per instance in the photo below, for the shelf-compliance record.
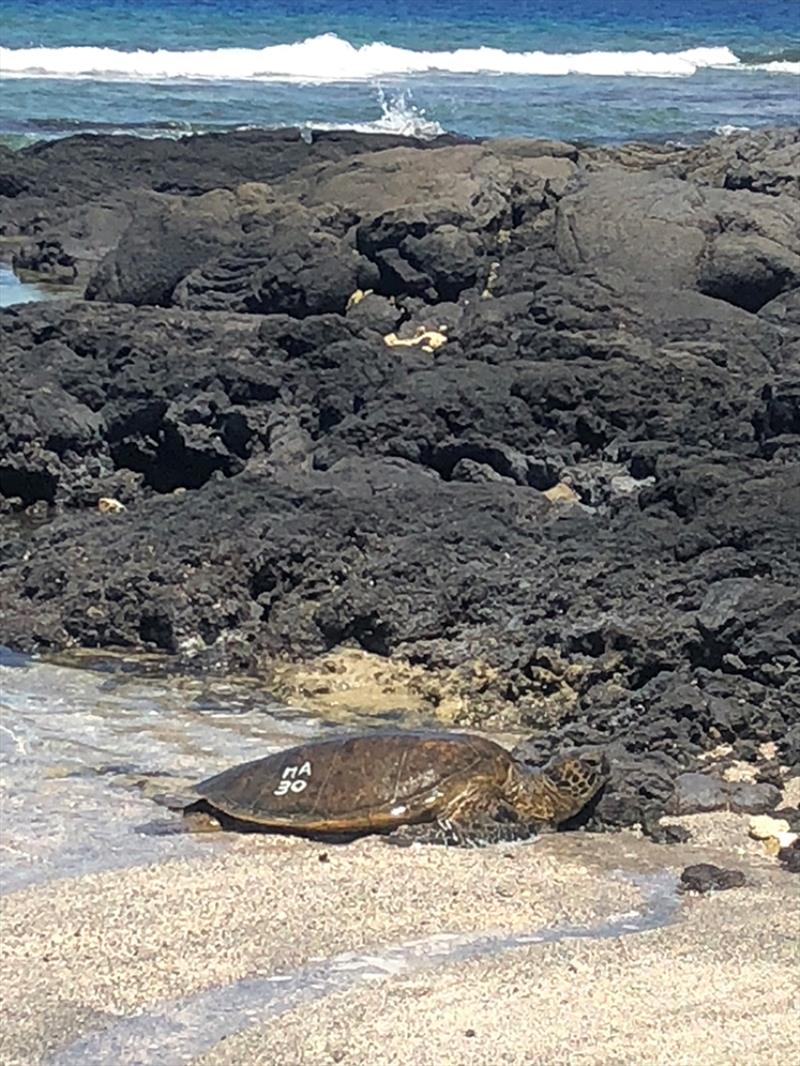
(73, 739)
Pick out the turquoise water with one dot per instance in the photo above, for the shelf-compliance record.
(756, 26)
(14, 290)
(579, 68)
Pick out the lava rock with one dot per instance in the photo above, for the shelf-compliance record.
(757, 798)
(666, 834)
(790, 815)
(790, 858)
(695, 793)
(704, 877)
(293, 486)
(279, 271)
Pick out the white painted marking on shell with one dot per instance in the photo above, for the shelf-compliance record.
(291, 779)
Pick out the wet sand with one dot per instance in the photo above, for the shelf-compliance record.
(97, 969)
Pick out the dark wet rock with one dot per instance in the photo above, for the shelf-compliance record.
(770, 773)
(784, 312)
(666, 834)
(68, 252)
(166, 239)
(17, 176)
(753, 798)
(423, 256)
(696, 792)
(789, 745)
(748, 271)
(83, 168)
(279, 271)
(474, 183)
(790, 815)
(47, 258)
(469, 470)
(704, 877)
(375, 313)
(293, 484)
(789, 858)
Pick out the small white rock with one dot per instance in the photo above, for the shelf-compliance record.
(763, 826)
(108, 505)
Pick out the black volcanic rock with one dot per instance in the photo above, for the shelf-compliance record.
(621, 327)
(704, 877)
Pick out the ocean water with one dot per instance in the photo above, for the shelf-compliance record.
(595, 69)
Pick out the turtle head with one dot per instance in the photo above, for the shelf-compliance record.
(564, 787)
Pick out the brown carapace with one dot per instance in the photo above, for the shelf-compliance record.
(431, 787)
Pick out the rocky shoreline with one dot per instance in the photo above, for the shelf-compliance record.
(516, 424)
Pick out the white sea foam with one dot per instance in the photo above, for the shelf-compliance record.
(777, 66)
(328, 58)
(398, 115)
(728, 130)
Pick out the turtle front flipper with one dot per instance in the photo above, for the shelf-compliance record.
(479, 832)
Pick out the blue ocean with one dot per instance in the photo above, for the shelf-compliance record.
(577, 69)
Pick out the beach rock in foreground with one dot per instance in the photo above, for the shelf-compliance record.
(575, 512)
(704, 877)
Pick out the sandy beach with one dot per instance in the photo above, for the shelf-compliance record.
(370, 955)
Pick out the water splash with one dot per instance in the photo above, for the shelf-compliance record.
(399, 115)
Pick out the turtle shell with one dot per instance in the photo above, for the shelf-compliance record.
(355, 783)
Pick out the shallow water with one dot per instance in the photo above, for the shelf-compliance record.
(17, 290)
(81, 745)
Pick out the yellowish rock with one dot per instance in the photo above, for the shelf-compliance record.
(427, 339)
(740, 771)
(562, 493)
(108, 505)
(763, 826)
(349, 680)
(357, 297)
(772, 845)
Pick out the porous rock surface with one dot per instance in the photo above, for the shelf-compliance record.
(623, 327)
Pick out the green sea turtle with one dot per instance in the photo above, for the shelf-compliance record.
(431, 787)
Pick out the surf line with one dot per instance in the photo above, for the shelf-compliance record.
(177, 1031)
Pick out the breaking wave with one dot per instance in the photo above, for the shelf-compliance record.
(328, 58)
